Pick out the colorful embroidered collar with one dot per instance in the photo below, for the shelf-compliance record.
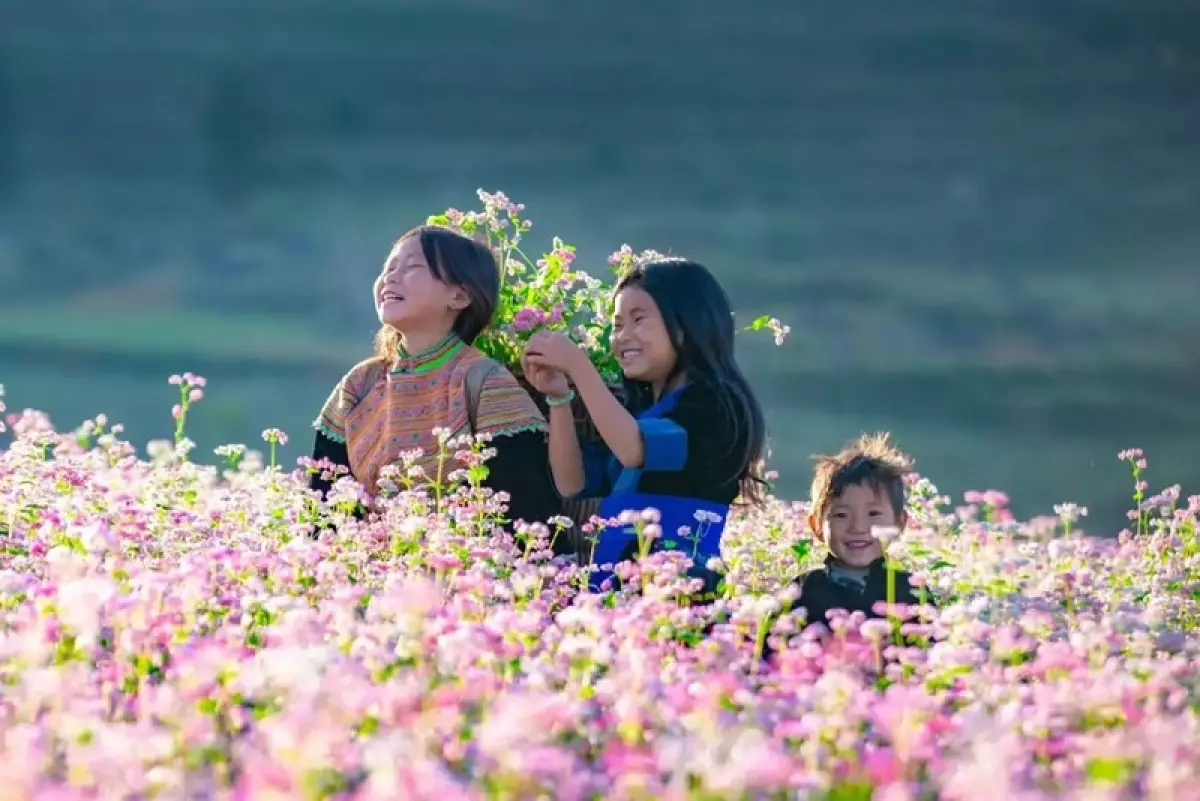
(428, 360)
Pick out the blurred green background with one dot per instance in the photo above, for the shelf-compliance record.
(979, 217)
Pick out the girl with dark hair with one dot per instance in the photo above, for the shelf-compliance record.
(436, 292)
(689, 437)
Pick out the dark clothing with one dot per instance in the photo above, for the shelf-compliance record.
(519, 468)
(698, 457)
(824, 589)
(693, 447)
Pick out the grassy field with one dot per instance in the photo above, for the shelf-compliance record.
(180, 335)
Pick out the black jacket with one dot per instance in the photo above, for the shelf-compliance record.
(819, 593)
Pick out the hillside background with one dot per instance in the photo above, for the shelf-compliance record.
(980, 217)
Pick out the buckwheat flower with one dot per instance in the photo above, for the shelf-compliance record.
(789, 594)
(622, 255)
(779, 330)
(230, 451)
(628, 517)
(528, 319)
(98, 538)
(275, 435)
(346, 490)
(79, 605)
(885, 534)
(158, 449)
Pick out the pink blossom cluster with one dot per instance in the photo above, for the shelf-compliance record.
(549, 291)
(171, 630)
(532, 317)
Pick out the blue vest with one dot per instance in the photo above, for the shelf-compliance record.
(704, 520)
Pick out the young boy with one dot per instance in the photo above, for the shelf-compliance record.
(859, 489)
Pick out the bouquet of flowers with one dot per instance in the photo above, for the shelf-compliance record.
(548, 292)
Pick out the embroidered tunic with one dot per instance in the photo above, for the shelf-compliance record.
(379, 411)
(691, 447)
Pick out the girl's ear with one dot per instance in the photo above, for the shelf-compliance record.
(902, 520)
(459, 299)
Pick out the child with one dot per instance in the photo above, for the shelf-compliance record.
(853, 492)
(691, 432)
(437, 291)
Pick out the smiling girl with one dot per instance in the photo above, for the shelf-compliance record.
(436, 292)
(689, 437)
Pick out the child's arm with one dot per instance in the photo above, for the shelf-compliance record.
(330, 425)
(579, 470)
(329, 442)
(659, 444)
(616, 425)
(568, 465)
(566, 458)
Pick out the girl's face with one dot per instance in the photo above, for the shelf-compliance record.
(640, 339)
(409, 297)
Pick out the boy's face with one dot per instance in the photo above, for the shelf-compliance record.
(848, 520)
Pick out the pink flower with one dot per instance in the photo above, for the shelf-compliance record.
(528, 319)
(275, 436)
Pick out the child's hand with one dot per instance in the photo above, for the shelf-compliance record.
(553, 350)
(548, 381)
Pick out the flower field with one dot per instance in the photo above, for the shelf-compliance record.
(170, 630)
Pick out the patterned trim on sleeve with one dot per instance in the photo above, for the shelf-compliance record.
(505, 408)
(348, 393)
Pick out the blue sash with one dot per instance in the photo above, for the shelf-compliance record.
(704, 520)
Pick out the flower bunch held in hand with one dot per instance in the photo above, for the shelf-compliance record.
(549, 293)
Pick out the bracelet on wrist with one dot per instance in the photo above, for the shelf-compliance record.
(565, 400)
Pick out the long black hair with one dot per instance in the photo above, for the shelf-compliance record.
(699, 320)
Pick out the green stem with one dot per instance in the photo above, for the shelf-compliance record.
(891, 600)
